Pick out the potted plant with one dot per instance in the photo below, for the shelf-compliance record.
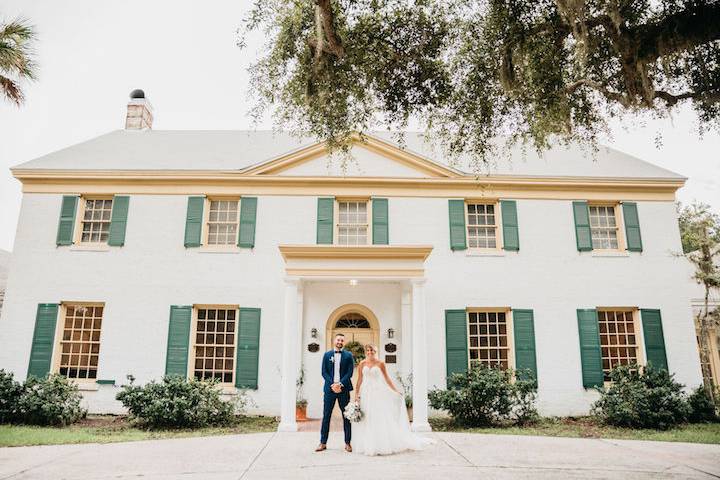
(300, 402)
(406, 385)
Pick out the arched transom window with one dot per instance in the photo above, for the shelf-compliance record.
(352, 320)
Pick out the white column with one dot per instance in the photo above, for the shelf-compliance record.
(419, 358)
(289, 371)
(405, 331)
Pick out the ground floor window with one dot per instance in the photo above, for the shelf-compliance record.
(80, 341)
(214, 346)
(619, 341)
(488, 335)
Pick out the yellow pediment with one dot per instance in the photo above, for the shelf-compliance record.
(372, 157)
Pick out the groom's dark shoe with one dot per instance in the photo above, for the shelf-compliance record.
(348, 447)
(321, 447)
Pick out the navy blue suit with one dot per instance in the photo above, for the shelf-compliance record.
(343, 398)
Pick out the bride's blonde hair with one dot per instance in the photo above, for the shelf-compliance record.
(372, 347)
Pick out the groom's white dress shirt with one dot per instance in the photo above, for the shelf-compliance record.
(336, 365)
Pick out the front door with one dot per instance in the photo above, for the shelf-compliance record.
(356, 328)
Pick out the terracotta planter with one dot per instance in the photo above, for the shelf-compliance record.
(410, 416)
(301, 413)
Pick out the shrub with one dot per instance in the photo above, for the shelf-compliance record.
(52, 400)
(176, 402)
(701, 407)
(641, 398)
(486, 396)
(10, 392)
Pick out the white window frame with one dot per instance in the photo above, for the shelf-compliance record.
(509, 332)
(193, 341)
(336, 219)
(497, 226)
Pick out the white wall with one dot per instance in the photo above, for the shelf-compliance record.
(140, 281)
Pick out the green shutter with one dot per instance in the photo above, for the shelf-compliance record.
(524, 332)
(325, 221)
(176, 361)
(248, 212)
(380, 221)
(590, 354)
(118, 221)
(632, 226)
(248, 348)
(654, 338)
(582, 226)
(66, 227)
(511, 238)
(43, 340)
(456, 212)
(193, 221)
(456, 349)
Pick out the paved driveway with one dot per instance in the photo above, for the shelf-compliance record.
(455, 456)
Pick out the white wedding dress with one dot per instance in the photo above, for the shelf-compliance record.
(384, 428)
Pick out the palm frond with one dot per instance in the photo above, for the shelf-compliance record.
(16, 58)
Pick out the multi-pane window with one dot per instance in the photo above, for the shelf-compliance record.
(223, 222)
(603, 227)
(353, 222)
(481, 225)
(488, 335)
(96, 220)
(618, 339)
(215, 334)
(80, 341)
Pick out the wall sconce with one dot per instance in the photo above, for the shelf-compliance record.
(313, 332)
(391, 333)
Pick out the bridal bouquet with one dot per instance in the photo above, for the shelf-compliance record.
(352, 412)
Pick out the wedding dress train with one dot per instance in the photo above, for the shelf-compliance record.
(384, 428)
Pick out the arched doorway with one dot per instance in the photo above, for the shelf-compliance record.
(357, 322)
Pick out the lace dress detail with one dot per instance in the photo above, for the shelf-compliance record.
(385, 428)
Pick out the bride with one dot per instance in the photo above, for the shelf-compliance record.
(384, 428)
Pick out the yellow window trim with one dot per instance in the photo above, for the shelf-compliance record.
(336, 218)
(619, 225)
(60, 327)
(80, 215)
(193, 338)
(509, 331)
(499, 244)
(639, 333)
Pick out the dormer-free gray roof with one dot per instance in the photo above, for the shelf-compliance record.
(228, 150)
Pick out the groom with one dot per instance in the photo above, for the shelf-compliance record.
(337, 370)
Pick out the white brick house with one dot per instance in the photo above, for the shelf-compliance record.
(236, 255)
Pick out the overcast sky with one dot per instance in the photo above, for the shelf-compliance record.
(183, 54)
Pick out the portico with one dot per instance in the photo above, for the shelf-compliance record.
(384, 283)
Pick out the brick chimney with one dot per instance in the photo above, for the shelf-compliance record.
(139, 112)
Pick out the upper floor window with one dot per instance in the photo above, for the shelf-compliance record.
(96, 216)
(80, 341)
(214, 343)
(353, 222)
(222, 223)
(619, 338)
(604, 227)
(482, 225)
(488, 335)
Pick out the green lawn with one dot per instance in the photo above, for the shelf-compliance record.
(586, 428)
(118, 429)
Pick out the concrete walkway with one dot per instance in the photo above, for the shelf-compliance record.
(455, 456)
